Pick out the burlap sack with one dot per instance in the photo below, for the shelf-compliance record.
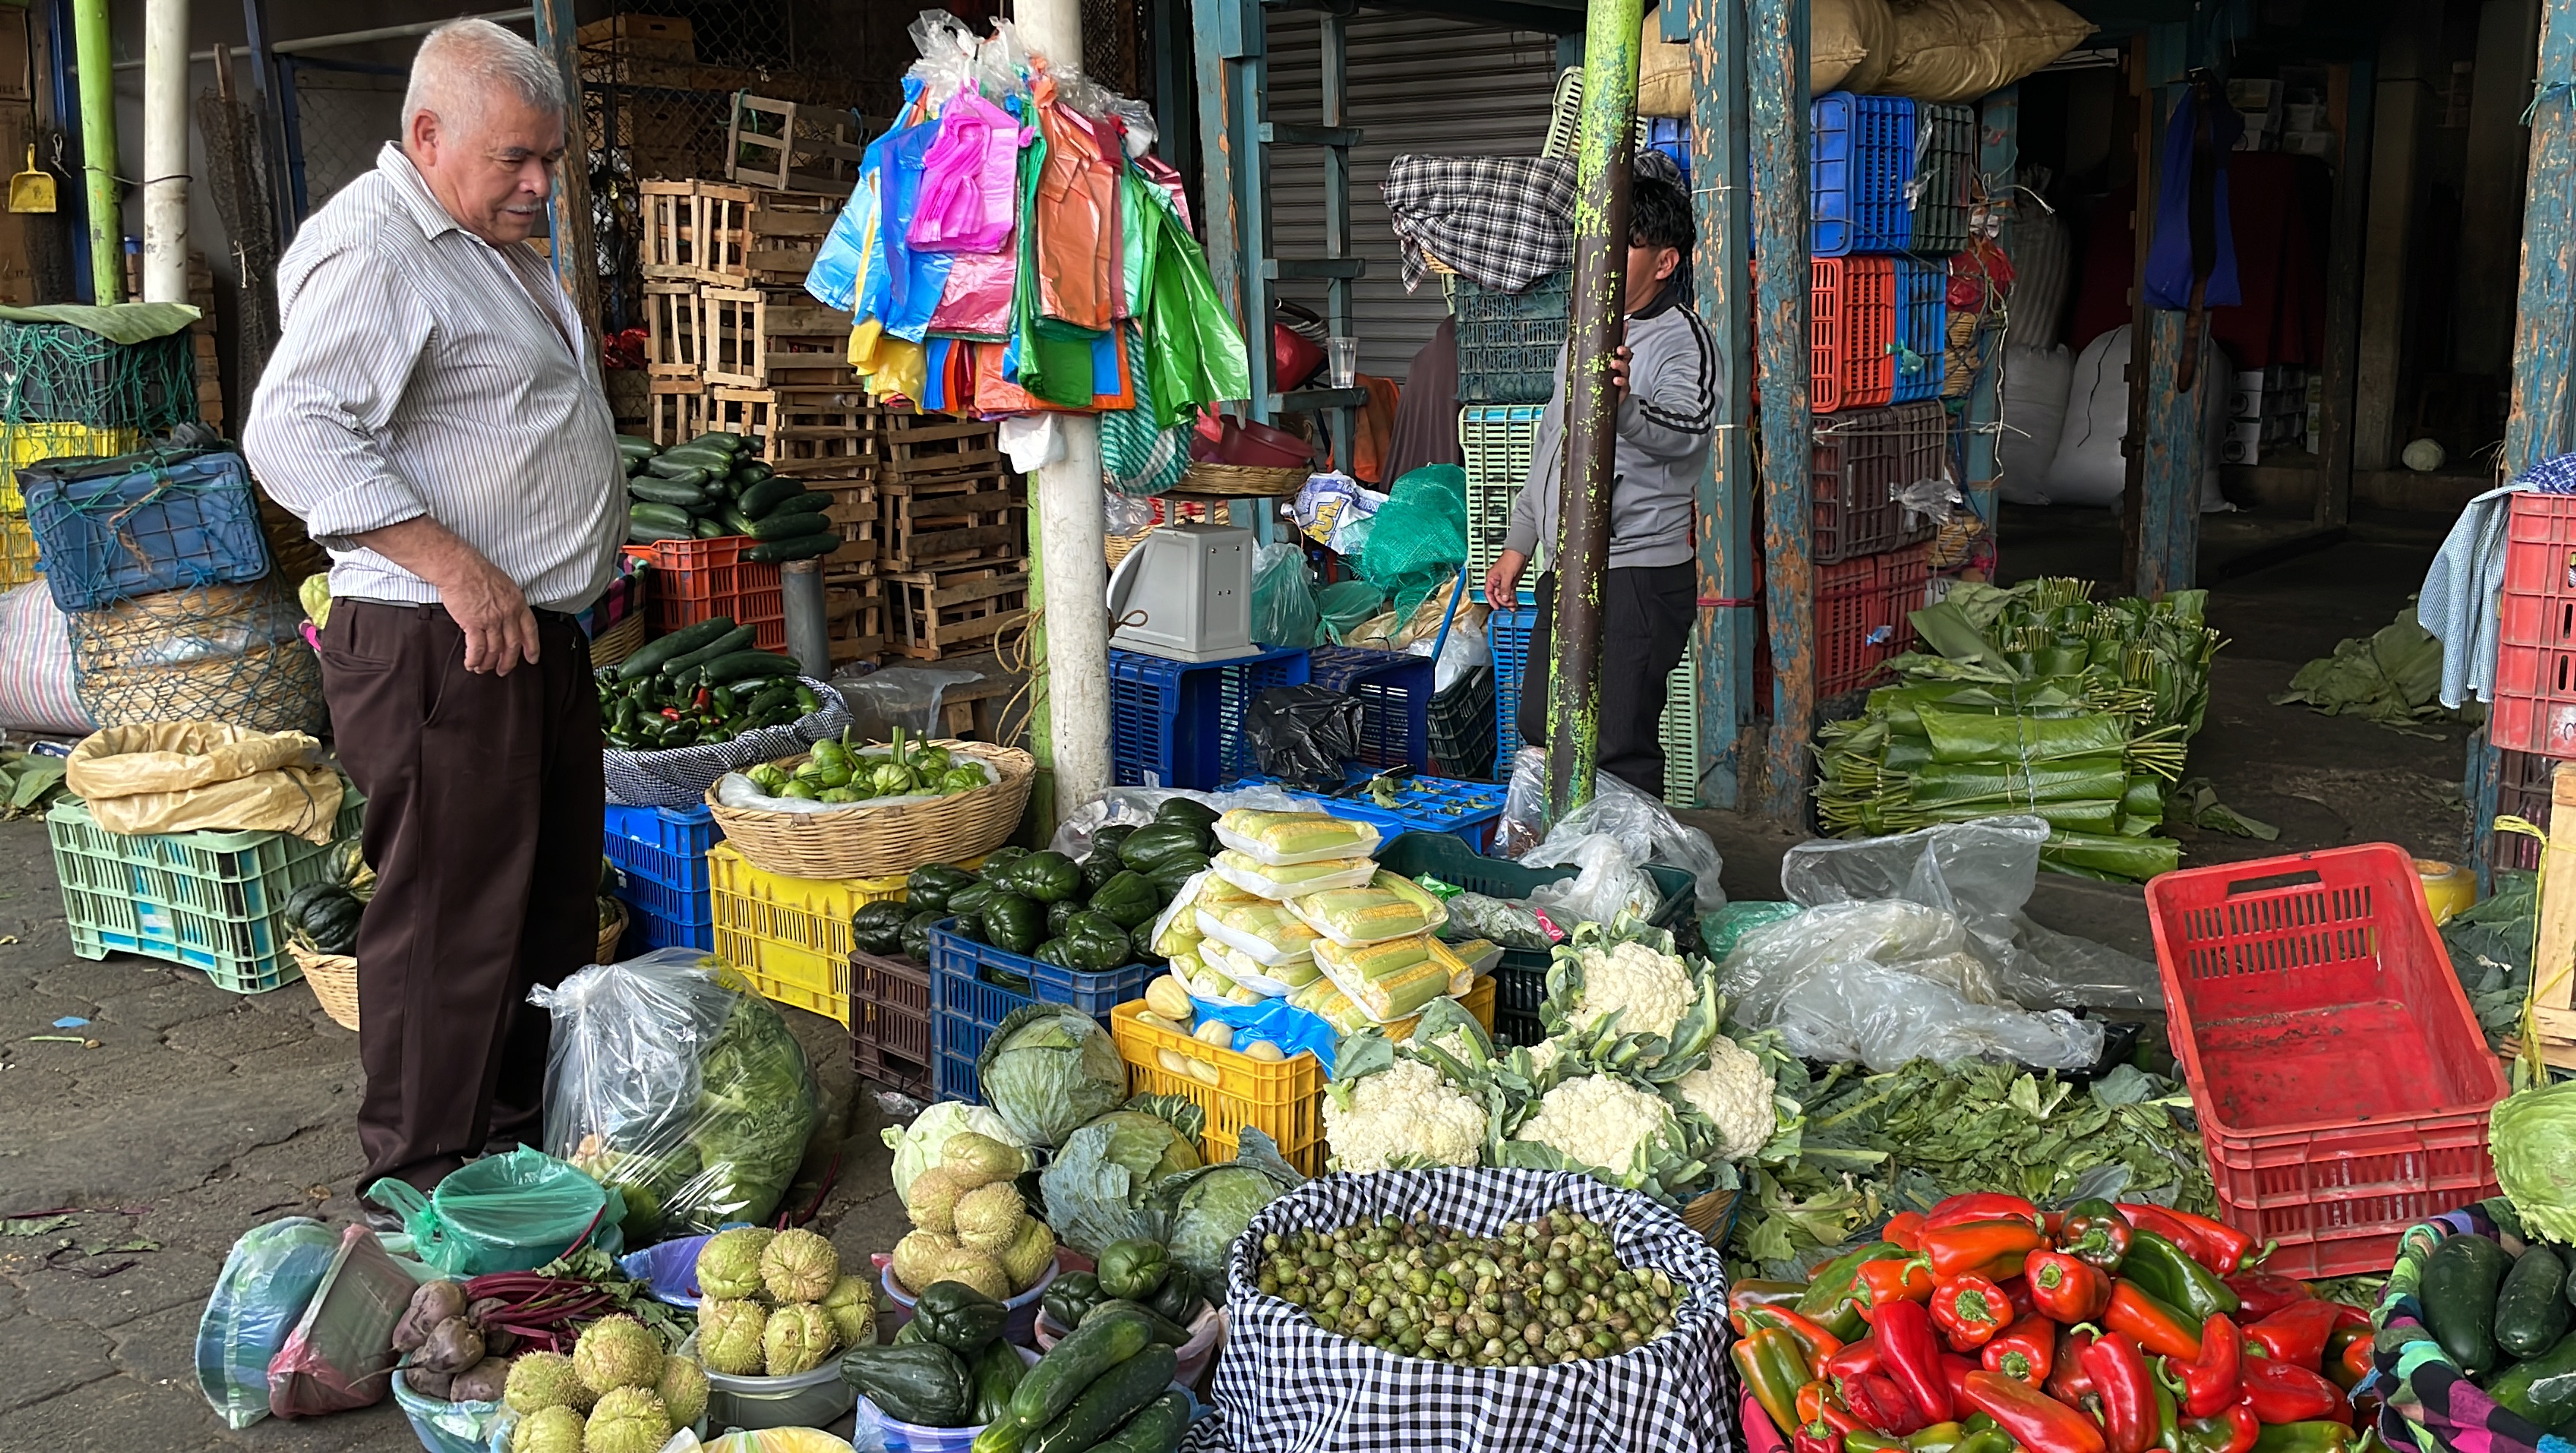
(1849, 49)
(205, 776)
(1958, 50)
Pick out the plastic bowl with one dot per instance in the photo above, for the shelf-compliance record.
(1207, 1332)
(446, 1427)
(807, 1400)
(1236, 441)
(898, 1436)
(1024, 1307)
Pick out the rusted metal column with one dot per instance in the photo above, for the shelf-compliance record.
(1603, 147)
(1775, 82)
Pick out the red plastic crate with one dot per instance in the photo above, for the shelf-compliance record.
(2535, 684)
(1864, 615)
(698, 579)
(2341, 1082)
(1861, 459)
(1849, 361)
(2522, 790)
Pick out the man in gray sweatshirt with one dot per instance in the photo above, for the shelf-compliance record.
(1667, 378)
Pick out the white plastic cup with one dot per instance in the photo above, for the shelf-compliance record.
(1342, 361)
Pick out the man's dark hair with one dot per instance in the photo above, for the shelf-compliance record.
(1659, 215)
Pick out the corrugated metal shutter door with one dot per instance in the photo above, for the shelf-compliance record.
(1417, 83)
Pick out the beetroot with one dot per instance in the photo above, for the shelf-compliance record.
(435, 1302)
(453, 1346)
(481, 1383)
(426, 1383)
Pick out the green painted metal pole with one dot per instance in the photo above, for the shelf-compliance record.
(98, 148)
(1603, 144)
(1726, 504)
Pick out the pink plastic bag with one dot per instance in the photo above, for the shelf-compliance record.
(977, 300)
(341, 1353)
(968, 180)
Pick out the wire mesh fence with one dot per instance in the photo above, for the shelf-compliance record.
(337, 117)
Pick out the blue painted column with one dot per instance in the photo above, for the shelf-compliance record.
(1998, 163)
(1775, 82)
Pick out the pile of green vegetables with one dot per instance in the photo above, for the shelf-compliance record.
(2034, 700)
(905, 768)
(2500, 1306)
(1135, 1270)
(1090, 915)
(1107, 1386)
(708, 488)
(1546, 1290)
(704, 683)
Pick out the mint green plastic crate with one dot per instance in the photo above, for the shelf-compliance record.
(209, 900)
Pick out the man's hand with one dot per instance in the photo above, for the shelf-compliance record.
(1619, 373)
(1503, 581)
(500, 630)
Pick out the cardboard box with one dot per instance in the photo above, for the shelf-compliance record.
(2308, 143)
(661, 37)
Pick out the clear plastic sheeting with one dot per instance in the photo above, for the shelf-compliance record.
(1646, 830)
(1983, 872)
(898, 696)
(1135, 807)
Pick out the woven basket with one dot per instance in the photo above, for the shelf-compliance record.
(618, 642)
(610, 932)
(1240, 481)
(334, 978)
(1712, 1215)
(886, 841)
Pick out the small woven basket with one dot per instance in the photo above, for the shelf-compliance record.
(883, 842)
(1712, 1215)
(610, 932)
(618, 642)
(334, 978)
(1240, 481)
(1120, 546)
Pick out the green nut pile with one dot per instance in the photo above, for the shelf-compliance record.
(1541, 1291)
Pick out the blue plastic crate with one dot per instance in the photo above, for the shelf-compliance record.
(1921, 289)
(1507, 634)
(665, 844)
(957, 1080)
(1180, 723)
(651, 931)
(968, 1007)
(111, 529)
(1860, 163)
(686, 908)
(1671, 136)
(1507, 342)
(1394, 691)
(1444, 805)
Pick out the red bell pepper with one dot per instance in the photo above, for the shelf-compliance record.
(2347, 1363)
(1980, 1206)
(2261, 1293)
(1911, 1353)
(1854, 1359)
(2066, 1380)
(1954, 1375)
(2231, 1250)
(2297, 1333)
(1882, 1282)
(2279, 1392)
(2038, 1422)
(2094, 1232)
(2169, 1225)
(1905, 1229)
(2156, 1327)
(2233, 1430)
(1969, 1310)
(1882, 1406)
(1817, 1438)
(1982, 1248)
(2026, 1351)
(2215, 1379)
(2016, 1290)
(1817, 1343)
(2064, 1289)
(2119, 1373)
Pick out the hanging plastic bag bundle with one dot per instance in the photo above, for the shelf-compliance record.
(969, 179)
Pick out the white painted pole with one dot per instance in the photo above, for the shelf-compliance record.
(1073, 564)
(165, 151)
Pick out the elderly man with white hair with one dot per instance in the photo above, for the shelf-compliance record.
(434, 415)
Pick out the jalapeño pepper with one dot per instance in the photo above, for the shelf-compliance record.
(2096, 1234)
(2166, 1272)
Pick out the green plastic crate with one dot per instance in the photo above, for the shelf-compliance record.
(1679, 731)
(209, 900)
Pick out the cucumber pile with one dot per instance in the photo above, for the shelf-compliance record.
(1105, 1388)
(706, 683)
(708, 488)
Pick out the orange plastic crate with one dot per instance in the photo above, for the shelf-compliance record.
(1849, 361)
(696, 580)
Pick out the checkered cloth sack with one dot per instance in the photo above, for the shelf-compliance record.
(680, 776)
(1286, 1386)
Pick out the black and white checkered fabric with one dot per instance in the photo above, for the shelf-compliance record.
(680, 776)
(1285, 1385)
(1503, 221)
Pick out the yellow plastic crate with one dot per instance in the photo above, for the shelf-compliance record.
(30, 442)
(790, 936)
(17, 550)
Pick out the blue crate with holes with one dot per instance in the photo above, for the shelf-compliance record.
(1921, 293)
(661, 858)
(1507, 635)
(139, 524)
(1180, 723)
(1860, 166)
(967, 1005)
(1394, 692)
(1464, 810)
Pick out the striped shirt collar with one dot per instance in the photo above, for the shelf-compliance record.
(417, 198)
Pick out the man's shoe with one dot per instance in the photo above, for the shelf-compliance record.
(379, 1219)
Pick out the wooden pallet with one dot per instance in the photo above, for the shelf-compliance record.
(669, 228)
(855, 620)
(675, 328)
(935, 448)
(791, 147)
(786, 232)
(675, 410)
(945, 612)
(953, 522)
(775, 338)
(731, 358)
(857, 517)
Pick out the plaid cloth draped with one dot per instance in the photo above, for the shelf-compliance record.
(1284, 1385)
(2431, 1405)
(1503, 221)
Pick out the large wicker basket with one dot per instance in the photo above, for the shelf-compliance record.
(1239, 481)
(618, 642)
(882, 842)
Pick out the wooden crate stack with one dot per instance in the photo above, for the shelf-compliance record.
(955, 535)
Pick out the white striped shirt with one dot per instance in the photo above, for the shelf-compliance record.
(419, 374)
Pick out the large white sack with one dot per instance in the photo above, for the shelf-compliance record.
(2034, 414)
(2089, 468)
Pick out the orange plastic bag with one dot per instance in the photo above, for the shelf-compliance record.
(1079, 257)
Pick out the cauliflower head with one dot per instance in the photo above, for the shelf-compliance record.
(1403, 1115)
(1652, 991)
(1602, 1122)
(1734, 1091)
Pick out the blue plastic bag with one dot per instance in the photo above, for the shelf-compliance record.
(1282, 1023)
(267, 1279)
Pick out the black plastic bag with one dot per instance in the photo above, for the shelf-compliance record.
(1303, 734)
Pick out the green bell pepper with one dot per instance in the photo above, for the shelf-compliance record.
(1056, 915)
(932, 884)
(877, 928)
(1127, 900)
(1133, 1268)
(1070, 1297)
(1148, 849)
(1013, 923)
(1094, 942)
(916, 935)
(1048, 877)
(958, 1317)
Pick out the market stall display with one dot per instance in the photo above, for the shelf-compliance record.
(872, 810)
(709, 487)
(670, 736)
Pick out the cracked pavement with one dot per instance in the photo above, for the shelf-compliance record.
(197, 1115)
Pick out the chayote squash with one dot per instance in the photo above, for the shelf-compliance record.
(1093, 942)
(1048, 877)
(916, 936)
(1057, 913)
(1127, 899)
(1070, 1296)
(931, 885)
(924, 1383)
(1133, 1269)
(1148, 849)
(1013, 923)
(958, 1317)
(877, 928)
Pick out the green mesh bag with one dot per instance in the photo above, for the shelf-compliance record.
(513, 1212)
(1420, 536)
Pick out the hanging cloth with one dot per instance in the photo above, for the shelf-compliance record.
(2191, 263)
(1076, 216)
(969, 179)
(1137, 457)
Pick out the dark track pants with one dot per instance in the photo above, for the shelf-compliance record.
(1647, 614)
(483, 821)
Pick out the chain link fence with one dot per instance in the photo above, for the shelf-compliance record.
(337, 115)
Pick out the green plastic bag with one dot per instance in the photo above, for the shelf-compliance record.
(1346, 605)
(1283, 598)
(1418, 538)
(1193, 349)
(513, 1212)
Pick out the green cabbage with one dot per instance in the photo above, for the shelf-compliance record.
(917, 1147)
(1048, 1071)
(1209, 1207)
(1100, 1187)
(2533, 1137)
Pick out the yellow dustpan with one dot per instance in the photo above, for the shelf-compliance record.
(31, 190)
